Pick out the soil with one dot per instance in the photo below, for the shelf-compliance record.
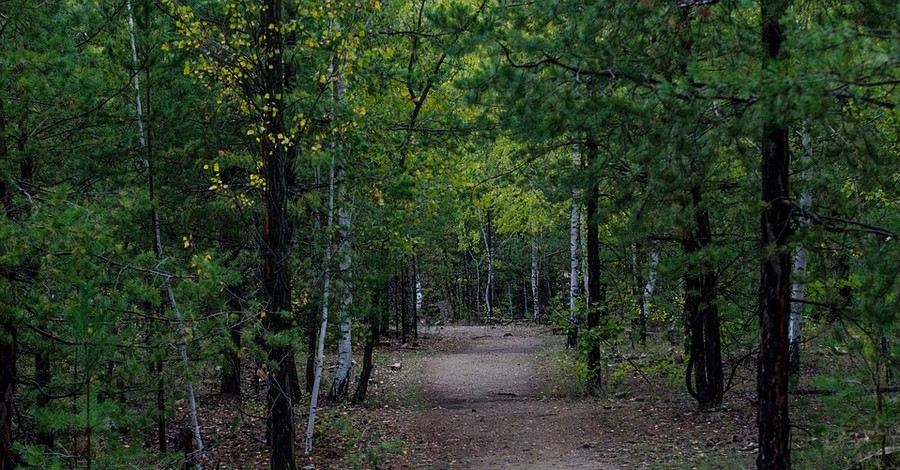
(490, 403)
(488, 410)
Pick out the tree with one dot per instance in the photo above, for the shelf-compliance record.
(775, 285)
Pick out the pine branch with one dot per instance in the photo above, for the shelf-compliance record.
(829, 221)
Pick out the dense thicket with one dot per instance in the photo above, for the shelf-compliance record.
(189, 188)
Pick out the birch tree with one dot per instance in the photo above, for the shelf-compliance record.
(340, 384)
(798, 290)
(574, 236)
(157, 236)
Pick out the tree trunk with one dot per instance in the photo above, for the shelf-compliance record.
(413, 280)
(489, 251)
(574, 235)
(374, 320)
(323, 325)
(42, 374)
(161, 425)
(275, 246)
(775, 283)
(798, 290)
(647, 298)
(231, 373)
(404, 304)
(595, 298)
(157, 235)
(340, 385)
(8, 357)
(312, 317)
(535, 286)
(703, 315)
(420, 296)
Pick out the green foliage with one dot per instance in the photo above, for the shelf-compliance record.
(363, 448)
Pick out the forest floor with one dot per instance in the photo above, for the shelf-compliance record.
(497, 397)
(501, 398)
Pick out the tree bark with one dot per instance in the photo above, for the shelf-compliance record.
(275, 243)
(231, 373)
(420, 296)
(374, 320)
(323, 326)
(775, 284)
(489, 251)
(404, 304)
(647, 298)
(705, 366)
(535, 286)
(8, 357)
(340, 385)
(574, 235)
(798, 290)
(414, 323)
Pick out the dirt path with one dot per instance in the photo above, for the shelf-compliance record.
(486, 409)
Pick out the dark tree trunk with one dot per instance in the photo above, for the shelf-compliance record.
(8, 357)
(596, 296)
(276, 236)
(775, 283)
(703, 316)
(374, 320)
(42, 376)
(161, 425)
(404, 305)
(231, 373)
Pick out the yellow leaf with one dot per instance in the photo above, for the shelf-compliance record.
(187, 68)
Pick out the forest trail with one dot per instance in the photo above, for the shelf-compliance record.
(485, 408)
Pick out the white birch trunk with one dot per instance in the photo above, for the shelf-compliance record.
(157, 237)
(320, 343)
(574, 233)
(420, 298)
(340, 384)
(326, 281)
(649, 287)
(489, 284)
(798, 289)
(535, 278)
(798, 293)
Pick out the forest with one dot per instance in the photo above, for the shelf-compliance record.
(268, 199)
